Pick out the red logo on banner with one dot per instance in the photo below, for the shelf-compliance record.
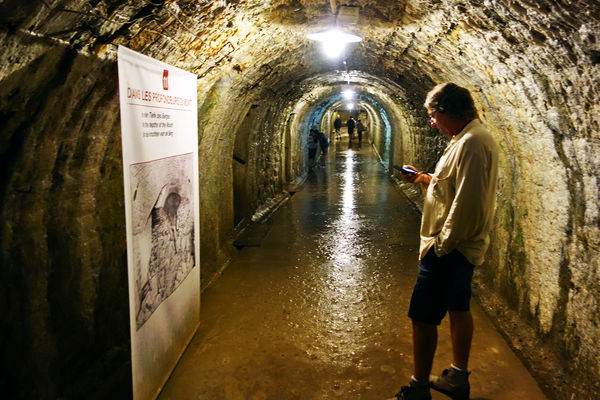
(166, 79)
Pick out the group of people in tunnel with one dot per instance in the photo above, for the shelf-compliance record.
(457, 216)
(351, 125)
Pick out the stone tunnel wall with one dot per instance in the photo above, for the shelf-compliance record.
(537, 87)
(534, 70)
(63, 280)
(64, 274)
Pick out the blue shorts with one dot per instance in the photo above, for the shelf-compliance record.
(443, 284)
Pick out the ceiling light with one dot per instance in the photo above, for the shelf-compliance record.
(334, 41)
(348, 94)
(334, 35)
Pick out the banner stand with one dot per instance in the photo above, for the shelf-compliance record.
(159, 131)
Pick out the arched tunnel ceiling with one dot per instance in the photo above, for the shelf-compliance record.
(326, 85)
(263, 42)
(378, 95)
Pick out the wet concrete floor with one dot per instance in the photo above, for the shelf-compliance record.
(315, 308)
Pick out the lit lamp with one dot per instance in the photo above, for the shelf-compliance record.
(348, 94)
(334, 41)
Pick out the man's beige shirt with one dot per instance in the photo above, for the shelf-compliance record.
(461, 198)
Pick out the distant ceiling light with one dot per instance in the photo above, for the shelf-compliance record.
(350, 106)
(348, 94)
(334, 41)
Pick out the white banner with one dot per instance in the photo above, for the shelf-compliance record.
(159, 131)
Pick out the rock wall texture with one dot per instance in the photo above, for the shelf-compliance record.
(533, 66)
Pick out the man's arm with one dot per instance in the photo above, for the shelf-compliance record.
(418, 177)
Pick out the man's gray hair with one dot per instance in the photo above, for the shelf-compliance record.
(452, 99)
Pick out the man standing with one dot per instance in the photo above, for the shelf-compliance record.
(360, 128)
(337, 125)
(457, 217)
(324, 143)
(350, 124)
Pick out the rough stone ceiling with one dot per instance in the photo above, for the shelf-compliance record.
(262, 44)
(400, 37)
(307, 11)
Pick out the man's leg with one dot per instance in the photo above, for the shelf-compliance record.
(461, 330)
(454, 381)
(424, 345)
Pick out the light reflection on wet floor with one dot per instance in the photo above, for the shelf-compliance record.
(318, 310)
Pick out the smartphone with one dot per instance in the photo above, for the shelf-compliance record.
(405, 170)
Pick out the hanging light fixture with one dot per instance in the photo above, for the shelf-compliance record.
(334, 41)
(348, 94)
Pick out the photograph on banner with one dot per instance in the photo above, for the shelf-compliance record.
(163, 231)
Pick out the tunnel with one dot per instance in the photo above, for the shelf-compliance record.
(533, 67)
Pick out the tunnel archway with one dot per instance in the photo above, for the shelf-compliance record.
(378, 126)
(390, 110)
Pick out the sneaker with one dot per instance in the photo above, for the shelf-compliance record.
(452, 383)
(413, 393)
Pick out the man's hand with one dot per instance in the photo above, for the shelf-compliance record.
(417, 177)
